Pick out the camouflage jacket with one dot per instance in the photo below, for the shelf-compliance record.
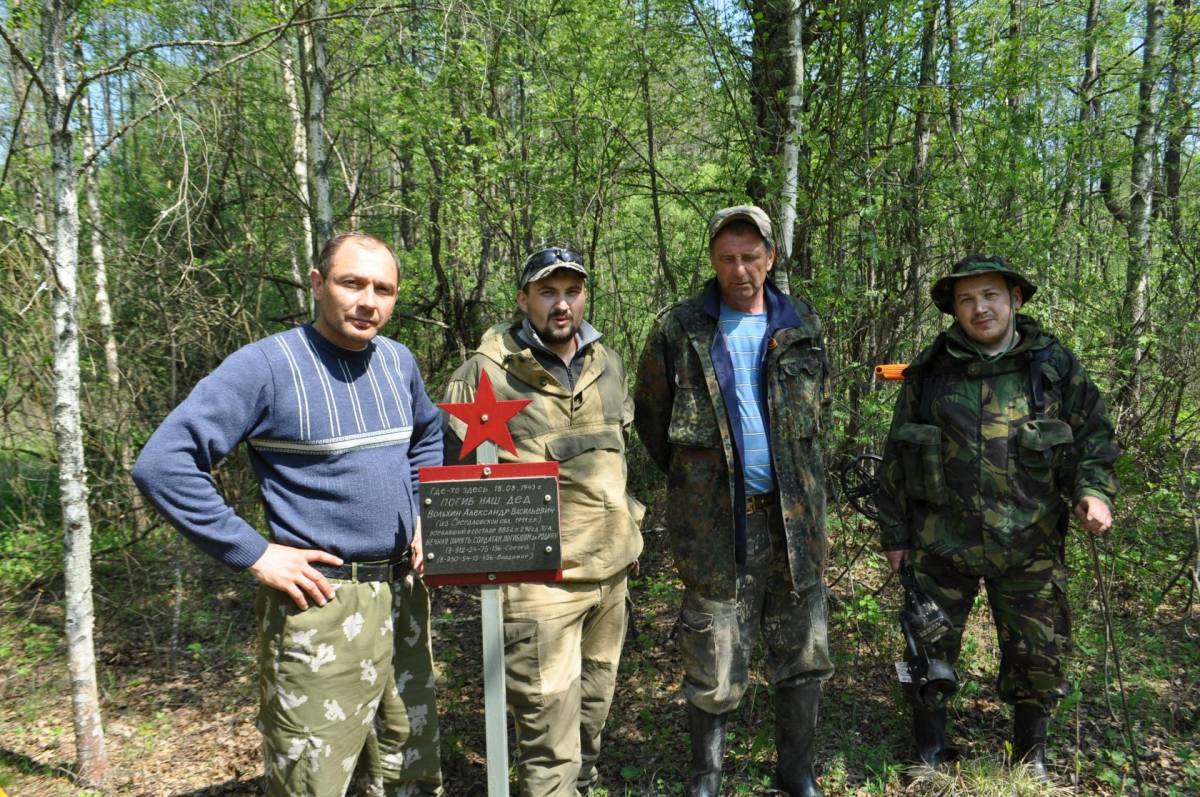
(686, 416)
(970, 471)
(583, 430)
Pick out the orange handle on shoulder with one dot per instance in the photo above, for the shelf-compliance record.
(892, 372)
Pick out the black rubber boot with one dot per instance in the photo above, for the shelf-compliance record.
(795, 727)
(1031, 722)
(929, 731)
(708, 751)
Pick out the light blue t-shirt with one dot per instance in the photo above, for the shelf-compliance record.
(746, 337)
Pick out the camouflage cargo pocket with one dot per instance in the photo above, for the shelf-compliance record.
(921, 447)
(693, 422)
(800, 380)
(1040, 441)
(697, 645)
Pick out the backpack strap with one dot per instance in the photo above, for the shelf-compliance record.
(1037, 389)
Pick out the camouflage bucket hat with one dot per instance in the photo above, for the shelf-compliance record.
(755, 215)
(943, 290)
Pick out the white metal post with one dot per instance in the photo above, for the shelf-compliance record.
(495, 717)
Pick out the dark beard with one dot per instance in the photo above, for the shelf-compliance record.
(548, 335)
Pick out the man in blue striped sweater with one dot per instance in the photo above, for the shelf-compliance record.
(337, 422)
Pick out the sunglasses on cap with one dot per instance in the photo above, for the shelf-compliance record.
(552, 255)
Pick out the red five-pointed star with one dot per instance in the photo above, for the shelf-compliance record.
(486, 418)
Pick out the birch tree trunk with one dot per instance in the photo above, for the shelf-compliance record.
(91, 758)
(316, 89)
(777, 92)
(299, 169)
(112, 365)
(1141, 201)
(791, 147)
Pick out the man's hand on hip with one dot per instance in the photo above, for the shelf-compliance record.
(896, 558)
(290, 570)
(1094, 514)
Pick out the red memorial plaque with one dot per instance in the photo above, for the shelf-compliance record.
(490, 523)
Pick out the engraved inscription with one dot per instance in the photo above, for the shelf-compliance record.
(490, 525)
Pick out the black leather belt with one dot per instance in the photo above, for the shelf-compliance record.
(383, 570)
(760, 503)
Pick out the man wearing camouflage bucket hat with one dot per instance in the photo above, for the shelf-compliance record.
(732, 394)
(997, 434)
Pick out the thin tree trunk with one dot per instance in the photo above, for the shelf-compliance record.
(91, 758)
(112, 365)
(299, 168)
(791, 147)
(953, 73)
(777, 93)
(663, 264)
(28, 182)
(1178, 111)
(1088, 111)
(1137, 276)
(921, 136)
(316, 89)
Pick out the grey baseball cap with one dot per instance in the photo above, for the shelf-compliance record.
(544, 262)
(755, 215)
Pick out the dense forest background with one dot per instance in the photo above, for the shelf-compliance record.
(168, 168)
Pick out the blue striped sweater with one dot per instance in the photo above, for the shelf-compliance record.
(335, 438)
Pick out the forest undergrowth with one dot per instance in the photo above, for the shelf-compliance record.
(187, 727)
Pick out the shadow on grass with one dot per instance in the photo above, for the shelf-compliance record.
(232, 786)
(28, 766)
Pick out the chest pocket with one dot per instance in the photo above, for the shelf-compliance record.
(799, 404)
(1040, 442)
(921, 449)
(693, 422)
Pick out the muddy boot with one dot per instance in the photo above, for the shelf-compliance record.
(708, 750)
(1030, 724)
(795, 727)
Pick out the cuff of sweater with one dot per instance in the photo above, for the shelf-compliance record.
(244, 553)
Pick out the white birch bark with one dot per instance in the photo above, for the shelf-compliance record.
(91, 758)
(791, 145)
(299, 169)
(112, 365)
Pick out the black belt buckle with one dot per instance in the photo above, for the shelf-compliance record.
(363, 572)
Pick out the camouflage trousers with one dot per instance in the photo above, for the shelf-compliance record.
(1029, 608)
(562, 645)
(716, 638)
(347, 692)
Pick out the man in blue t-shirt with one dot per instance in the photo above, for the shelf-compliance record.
(732, 394)
(337, 423)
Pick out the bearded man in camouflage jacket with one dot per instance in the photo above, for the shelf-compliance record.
(562, 641)
(997, 434)
(732, 393)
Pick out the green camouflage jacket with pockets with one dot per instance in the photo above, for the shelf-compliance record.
(583, 430)
(969, 473)
(681, 418)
